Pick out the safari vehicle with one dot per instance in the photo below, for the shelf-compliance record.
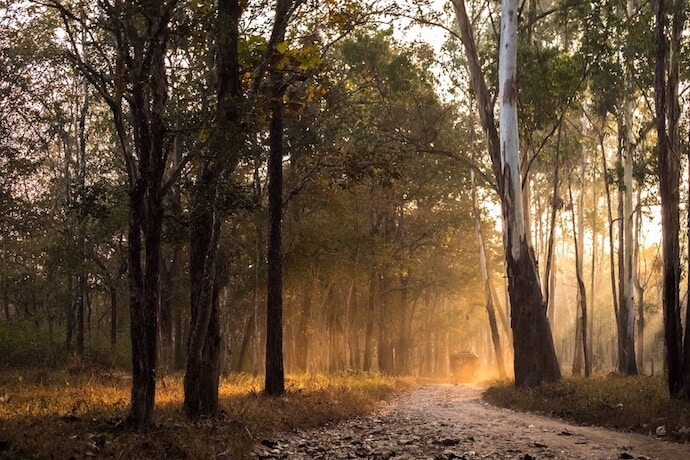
(463, 366)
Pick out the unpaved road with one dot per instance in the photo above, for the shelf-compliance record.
(440, 422)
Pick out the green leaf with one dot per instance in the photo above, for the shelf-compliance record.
(282, 47)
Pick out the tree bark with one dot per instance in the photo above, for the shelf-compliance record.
(384, 343)
(169, 275)
(113, 316)
(203, 349)
(140, 39)
(639, 288)
(5, 280)
(669, 179)
(202, 371)
(275, 374)
(556, 205)
(80, 310)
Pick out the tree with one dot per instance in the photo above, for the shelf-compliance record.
(667, 118)
(582, 337)
(220, 158)
(626, 313)
(535, 359)
(488, 289)
(275, 373)
(136, 93)
(274, 383)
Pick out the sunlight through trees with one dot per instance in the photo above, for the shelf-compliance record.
(292, 186)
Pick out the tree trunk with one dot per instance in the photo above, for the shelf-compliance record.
(640, 330)
(169, 275)
(593, 271)
(147, 106)
(639, 288)
(484, 101)
(242, 361)
(347, 325)
(69, 314)
(679, 12)
(275, 375)
(80, 226)
(403, 342)
(139, 33)
(535, 356)
(181, 333)
(627, 364)
(384, 344)
(202, 371)
(488, 296)
(203, 350)
(143, 306)
(665, 93)
(368, 359)
(258, 264)
(304, 327)
(609, 213)
(556, 205)
(582, 341)
(5, 281)
(80, 310)
(113, 316)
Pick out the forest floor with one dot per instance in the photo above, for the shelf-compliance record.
(453, 422)
(78, 413)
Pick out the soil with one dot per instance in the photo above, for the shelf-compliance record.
(440, 422)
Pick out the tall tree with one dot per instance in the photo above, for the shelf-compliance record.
(582, 338)
(667, 127)
(218, 161)
(275, 373)
(274, 383)
(136, 93)
(627, 363)
(141, 58)
(488, 289)
(535, 358)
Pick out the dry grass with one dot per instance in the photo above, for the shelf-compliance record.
(634, 404)
(78, 415)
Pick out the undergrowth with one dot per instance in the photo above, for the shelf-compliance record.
(62, 414)
(635, 404)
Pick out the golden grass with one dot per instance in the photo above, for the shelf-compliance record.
(63, 415)
(637, 404)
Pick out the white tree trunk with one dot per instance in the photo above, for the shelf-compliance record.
(508, 123)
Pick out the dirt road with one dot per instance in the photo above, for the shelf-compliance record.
(440, 422)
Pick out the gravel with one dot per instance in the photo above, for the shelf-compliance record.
(444, 422)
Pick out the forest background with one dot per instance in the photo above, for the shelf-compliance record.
(137, 167)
